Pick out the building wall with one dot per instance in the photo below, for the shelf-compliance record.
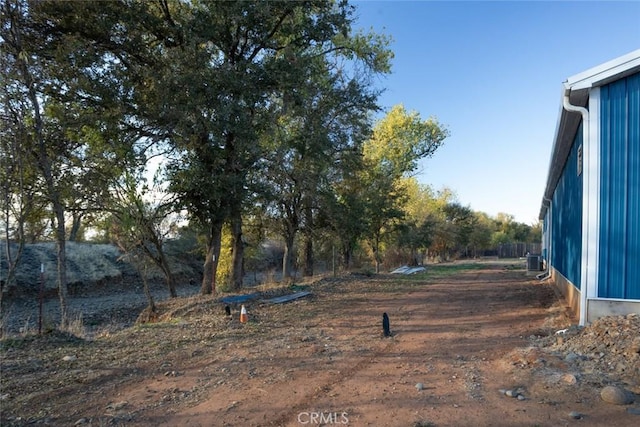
(619, 252)
(568, 290)
(545, 237)
(566, 218)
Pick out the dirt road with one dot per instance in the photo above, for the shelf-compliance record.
(323, 360)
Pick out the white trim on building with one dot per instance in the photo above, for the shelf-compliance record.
(591, 199)
(602, 74)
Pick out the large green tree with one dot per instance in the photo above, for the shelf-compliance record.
(54, 55)
(253, 60)
(324, 121)
(27, 72)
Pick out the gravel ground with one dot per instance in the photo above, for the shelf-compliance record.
(483, 343)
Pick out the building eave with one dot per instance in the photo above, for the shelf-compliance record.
(578, 87)
(602, 74)
(566, 128)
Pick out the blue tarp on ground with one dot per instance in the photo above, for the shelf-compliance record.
(236, 299)
(287, 298)
(233, 299)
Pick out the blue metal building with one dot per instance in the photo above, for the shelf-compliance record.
(591, 205)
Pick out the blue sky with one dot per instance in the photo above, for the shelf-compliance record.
(492, 73)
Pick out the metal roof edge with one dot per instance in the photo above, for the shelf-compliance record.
(596, 76)
(606, 72)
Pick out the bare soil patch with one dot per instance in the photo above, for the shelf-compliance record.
(462, 336)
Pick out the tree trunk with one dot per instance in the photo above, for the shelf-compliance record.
(288, 258)
(44, 163)
(237, 261)
(376, 252)
(168, 275)
(62, 263)
(147, 292)
(160, 259)
(75, 226)
(347, 252)
(13, 260)
(308, 256)
(211, 261)
(308, 242)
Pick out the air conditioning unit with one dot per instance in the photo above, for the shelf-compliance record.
(534, 262)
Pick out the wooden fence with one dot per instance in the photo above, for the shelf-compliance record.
(517, 250)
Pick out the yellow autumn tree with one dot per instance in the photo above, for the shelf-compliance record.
(399, 141)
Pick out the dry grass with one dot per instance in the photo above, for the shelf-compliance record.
(87, 264)
(75, 326)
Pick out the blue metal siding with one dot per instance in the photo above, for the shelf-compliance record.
(619, 256)
(566, 218)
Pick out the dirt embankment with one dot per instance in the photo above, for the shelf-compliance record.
(470, 345)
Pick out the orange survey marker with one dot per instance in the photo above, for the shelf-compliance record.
(243, 315)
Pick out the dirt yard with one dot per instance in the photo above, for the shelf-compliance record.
(471, 345)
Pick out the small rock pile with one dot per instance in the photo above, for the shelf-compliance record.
(603, 356)
(609, 345)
